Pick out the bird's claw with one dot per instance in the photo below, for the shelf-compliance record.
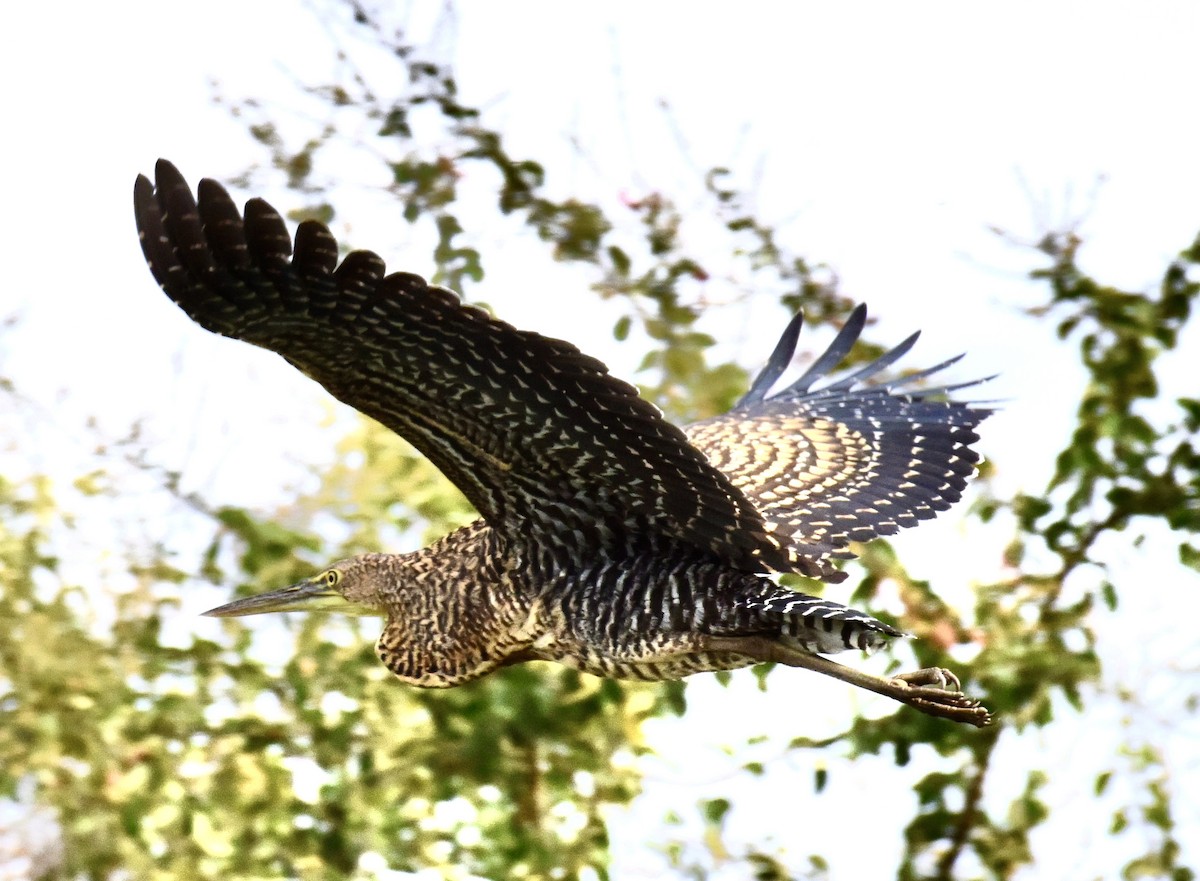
(937, 691)
(936, 677)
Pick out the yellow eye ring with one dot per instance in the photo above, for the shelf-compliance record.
(332, 577)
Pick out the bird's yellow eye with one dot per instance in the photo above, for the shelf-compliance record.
(332, 577)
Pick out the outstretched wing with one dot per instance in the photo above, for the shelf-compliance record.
(538, 436)
(847, 461)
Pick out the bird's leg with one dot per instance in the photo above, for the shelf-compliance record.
(934, 690)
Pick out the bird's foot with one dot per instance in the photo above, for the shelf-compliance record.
(936, 677)
(937, 692)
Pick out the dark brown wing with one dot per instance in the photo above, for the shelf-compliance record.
(844, 462)
(538, 436)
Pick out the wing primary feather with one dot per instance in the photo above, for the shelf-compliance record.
(884, 361)
(223, 228)
(779, 361)
(267, 236)
(183, 223)
(919, 375)
(832, 356)
(156, 247)
(315, 251)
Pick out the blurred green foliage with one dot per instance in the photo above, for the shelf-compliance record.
(286, 751)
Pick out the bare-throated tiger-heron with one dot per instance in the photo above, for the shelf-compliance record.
(609, 539)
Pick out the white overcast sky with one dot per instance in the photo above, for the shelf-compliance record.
(907, 131)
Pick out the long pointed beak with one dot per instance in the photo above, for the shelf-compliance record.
(306, 596)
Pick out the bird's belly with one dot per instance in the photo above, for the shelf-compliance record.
(669, 657)
(656, 671)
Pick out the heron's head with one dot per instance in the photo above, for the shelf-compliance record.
(353, 587)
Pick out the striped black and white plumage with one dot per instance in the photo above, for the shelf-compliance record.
(609, 539)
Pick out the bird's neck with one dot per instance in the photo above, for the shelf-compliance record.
(459, 609)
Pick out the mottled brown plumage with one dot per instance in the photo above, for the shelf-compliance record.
(610, 540)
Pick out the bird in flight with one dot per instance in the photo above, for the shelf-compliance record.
(609, 539)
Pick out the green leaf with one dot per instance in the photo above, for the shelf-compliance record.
(714, 810)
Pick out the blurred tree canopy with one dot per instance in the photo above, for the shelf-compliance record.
(283, 750)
